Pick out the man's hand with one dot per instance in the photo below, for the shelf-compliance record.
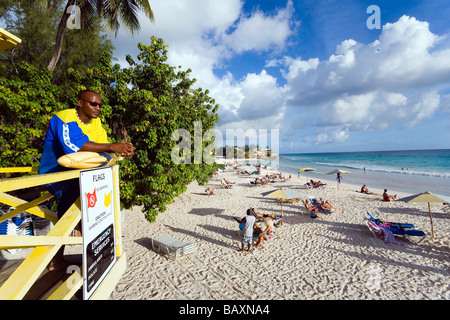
(124, 148)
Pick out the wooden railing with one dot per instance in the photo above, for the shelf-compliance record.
(45, 247)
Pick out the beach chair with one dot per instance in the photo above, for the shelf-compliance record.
(310, 185)
(321, 211)
(311, 212)
(172, 247)
(225, 185)
(252, 183)
(397, 229)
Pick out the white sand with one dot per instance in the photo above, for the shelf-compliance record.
(332, 257)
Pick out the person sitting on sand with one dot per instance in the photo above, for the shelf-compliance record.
(210, 191)
(387, 197)
(365, 190)
(312, 209)
(267, 234)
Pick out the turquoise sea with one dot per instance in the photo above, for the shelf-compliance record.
(412, 171)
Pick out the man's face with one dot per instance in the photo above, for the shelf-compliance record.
(90, 105)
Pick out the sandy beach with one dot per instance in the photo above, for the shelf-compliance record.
(332, 257)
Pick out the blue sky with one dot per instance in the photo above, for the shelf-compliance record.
(313, 70)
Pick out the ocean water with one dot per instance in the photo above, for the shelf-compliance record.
(411, 172)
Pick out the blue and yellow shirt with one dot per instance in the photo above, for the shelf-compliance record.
(67, 134)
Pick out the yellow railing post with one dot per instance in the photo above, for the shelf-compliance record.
(45, 247)
(31, 268)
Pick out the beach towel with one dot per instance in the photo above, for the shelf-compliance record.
(387, 234)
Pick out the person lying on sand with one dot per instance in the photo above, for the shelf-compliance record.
(387, 197)
(365, 190)
(210, 191)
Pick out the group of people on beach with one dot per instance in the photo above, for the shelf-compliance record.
(251, 229)
(386, 197)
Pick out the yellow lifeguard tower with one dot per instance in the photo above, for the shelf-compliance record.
(8, 40)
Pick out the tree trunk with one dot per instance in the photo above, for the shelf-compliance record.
(59, 38)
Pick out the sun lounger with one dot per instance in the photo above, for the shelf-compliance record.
(311, 212)
(226, 185)
(400, 229)
(310, 185)
(172, 247)
(321, 211)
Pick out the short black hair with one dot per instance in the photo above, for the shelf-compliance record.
(83, 92)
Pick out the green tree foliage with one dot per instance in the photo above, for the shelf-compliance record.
(36, 25)
(150, 100)
(144, 104)
(27, 100)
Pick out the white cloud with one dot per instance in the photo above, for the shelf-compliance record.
(256, 102)
(261, 32)
(328, 136)
(394, 80)
(425, 108)
(204, 34)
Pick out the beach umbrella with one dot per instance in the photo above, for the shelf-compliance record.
(306, 170)
(426, 197)
(336, 171)
(282, 194)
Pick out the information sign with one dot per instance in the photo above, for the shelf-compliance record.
(97, 208)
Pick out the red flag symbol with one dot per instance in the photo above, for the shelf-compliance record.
(91, 199)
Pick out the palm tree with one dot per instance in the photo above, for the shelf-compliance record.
(112, 11)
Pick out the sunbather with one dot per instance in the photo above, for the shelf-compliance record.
(387, 197)
(210, 191)
(228, 182)
(268, 232)
(324, 205)
(365, 190)
(312, 209)
(313, 183)
(263, 215)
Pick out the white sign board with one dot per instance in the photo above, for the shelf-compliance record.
(97, 220)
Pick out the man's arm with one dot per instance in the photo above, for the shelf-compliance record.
(123, 148)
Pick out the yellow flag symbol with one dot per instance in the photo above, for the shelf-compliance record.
(107, 199)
